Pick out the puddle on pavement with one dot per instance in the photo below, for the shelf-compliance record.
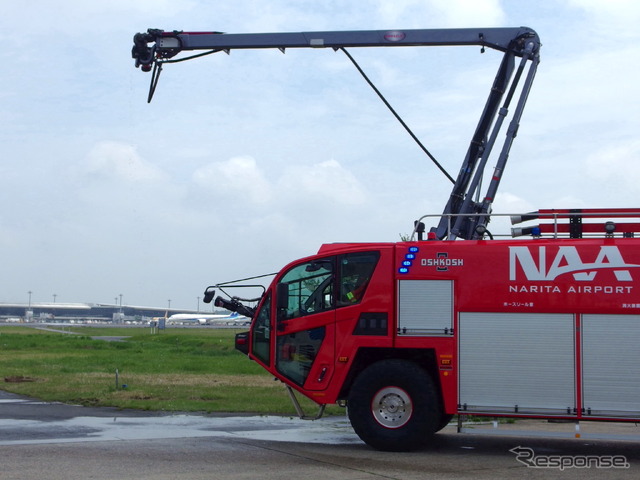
(330, 430)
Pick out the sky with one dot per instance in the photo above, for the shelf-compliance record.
(245, 162)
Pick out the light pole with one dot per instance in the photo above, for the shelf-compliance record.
(197, 304)
(28, 314)
(54, 297)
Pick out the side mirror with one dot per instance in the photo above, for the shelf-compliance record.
(318, 264)
(209, 293)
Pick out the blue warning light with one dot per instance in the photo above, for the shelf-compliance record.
(408, 260)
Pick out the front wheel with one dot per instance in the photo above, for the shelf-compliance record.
(393, 406)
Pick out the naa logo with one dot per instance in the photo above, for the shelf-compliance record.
(568, 260)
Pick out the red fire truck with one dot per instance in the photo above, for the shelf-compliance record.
(408, 334)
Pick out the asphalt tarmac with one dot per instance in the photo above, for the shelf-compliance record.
(40, 440)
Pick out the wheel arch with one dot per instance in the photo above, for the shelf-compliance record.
(424, 357)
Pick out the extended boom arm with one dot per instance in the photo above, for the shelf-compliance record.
(168, 44)
(156, 47)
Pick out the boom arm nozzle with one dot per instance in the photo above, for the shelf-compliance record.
(234, 306)
(141, 52)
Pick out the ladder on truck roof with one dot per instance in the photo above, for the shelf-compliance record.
(156, 47)
(577, 223)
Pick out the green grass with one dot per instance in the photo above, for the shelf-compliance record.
(176, 370)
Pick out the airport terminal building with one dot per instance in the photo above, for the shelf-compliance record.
(79, 313)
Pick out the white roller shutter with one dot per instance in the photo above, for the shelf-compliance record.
(610, 362)
(425, 307)
(517, 363)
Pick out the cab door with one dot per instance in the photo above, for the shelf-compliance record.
(305, 323)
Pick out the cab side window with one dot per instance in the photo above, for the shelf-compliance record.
(262, 332)
(356, 270)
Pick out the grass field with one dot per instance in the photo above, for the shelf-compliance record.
(189, 370)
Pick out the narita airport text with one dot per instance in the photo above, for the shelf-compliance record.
(588, 289)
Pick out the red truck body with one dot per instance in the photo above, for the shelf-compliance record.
(535, 328)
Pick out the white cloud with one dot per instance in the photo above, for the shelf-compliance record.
(325, 183)
(238, 178)
(608, 24)
(76, 17)
(321, 186)
(442, 13)
(617, 164)
(623, 11)
(509, 203)
(120, 161)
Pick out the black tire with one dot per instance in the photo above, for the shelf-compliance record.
(394, 406)
(444, 421)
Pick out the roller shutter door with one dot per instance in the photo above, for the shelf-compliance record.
(610, 362)
(425, 307)
(517, 363)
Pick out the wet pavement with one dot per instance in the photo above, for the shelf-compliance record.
(24, 421)
(41, 440)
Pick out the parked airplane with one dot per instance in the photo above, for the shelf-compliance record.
(208, 319)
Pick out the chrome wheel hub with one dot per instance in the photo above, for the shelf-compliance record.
(392, 407)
